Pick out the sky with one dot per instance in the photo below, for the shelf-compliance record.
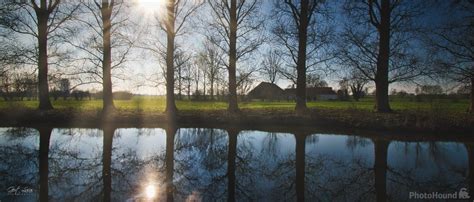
(144, 66)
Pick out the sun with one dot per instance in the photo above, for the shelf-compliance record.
(151, 7)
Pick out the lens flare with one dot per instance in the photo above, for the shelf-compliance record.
(150, 191)
(151, 7)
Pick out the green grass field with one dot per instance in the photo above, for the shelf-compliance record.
(157, 104)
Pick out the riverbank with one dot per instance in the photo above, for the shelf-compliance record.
(399, 121)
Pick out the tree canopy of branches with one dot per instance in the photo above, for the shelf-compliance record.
(315, 80)
(182, 72)
(101, 45)
(378, 41)
(303, 38)
(234, 29)
(356, 83)
(454, 43)
(271, 65)
(39, 21)
(211, 56)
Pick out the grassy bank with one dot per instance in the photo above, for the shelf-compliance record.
(157, 105)
(439, 116)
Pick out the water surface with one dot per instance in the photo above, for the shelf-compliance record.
(185, 164)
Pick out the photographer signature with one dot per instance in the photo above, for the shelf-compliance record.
(19, 190)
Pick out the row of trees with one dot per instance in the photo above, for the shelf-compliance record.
(382, 41)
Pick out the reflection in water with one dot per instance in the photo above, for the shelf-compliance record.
(169, 163)
(45, 135)
(231, 157)
(300, 166)
(108, 136)
(201, 164)
(470, 154)
(425, 167)
(380, 168)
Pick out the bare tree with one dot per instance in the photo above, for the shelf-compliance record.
(187, 77)
(297, 32)
(315, 80)
(10, 62)
(271, 66)
(173, 23)
(245, 81)
(357, 86)
(202, 68)
(377, 41)
(102, 45)
(196, 75)
(453, 42)
(233, 29)
(357, 83)
(181, 61)
(41, 21)
(169, 27)
(212, 61)
(106, 13)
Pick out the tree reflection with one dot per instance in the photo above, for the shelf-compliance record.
(169, 162)
(200, 164)
(45, 135)
(262, 172)
(215, 165)
(231, 157)
(470, 157)
(19, 163)
(426, 167)
(270, 144)
(380, 168)
(300, 166)
(107, 162)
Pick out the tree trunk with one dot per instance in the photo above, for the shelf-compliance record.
(107, 96)
(300, 166)
(471, 108)
(212, 88)
(45, 135)
(43, 88)
(180, 95)
(233, 106)
(171, 109)
(381, 77)
(204, 85)
(189, 90)
(301, 61)
(380, 169)
(197, 84)
(108, 134)
(217, 91)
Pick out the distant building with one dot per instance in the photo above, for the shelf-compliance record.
(267, 91)
(314, 93)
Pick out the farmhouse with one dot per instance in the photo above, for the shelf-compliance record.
(313, 93)
(270, 91)
(267, 91)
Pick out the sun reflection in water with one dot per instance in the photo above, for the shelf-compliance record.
(150, 191)
(195, 196)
